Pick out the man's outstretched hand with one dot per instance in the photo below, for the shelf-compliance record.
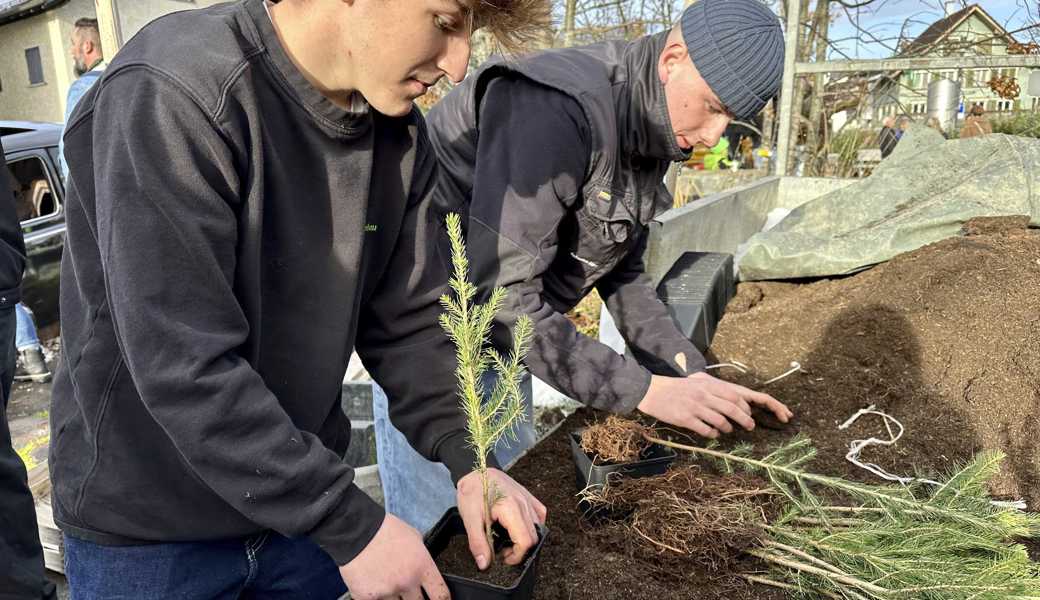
(706, 405)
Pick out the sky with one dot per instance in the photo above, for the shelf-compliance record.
(883, 19)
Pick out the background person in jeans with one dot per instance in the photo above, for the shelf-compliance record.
(31, 365)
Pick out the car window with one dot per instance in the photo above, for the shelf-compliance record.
(56, 160)
(33, 195)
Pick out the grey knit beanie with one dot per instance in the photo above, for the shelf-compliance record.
(738, 47)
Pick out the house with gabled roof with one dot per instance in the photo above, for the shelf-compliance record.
(970, 31)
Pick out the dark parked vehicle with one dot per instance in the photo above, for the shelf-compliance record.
(31, 156)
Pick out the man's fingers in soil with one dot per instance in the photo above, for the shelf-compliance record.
(517, 502)
(742, 404)
(778, 408)
(529, 518)
(520, 529)
(733, 412)
(471, 509)
(732, 393)
(735, 394)
(709, 413)
(699, 427)
(533, 520)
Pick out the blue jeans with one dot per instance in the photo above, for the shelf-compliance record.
(25, 334)
(264, 566)
(418, 491)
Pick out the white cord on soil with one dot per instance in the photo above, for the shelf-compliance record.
(795, 367)
(857, 446)
(734, 365)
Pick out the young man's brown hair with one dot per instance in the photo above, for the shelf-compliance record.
(514, 24)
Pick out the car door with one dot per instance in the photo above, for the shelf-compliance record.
(38, 198)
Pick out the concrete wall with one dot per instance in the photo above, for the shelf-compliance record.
(796, 191)
(50, 32)
(135, 14)
(718, 223)
(41, 102)
(723, 221)
(698, 184)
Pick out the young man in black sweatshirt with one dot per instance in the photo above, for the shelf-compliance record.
(249, 200)
(560, 159)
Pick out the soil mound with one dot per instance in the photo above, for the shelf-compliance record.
(946, 339)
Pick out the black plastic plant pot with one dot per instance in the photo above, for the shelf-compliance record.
(588, 472)
(462, 588)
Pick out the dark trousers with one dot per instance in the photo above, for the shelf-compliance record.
(21, 557)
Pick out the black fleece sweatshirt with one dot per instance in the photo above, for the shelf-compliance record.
(12, 246)
(232, 234)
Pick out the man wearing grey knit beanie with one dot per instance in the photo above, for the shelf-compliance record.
(559, 159)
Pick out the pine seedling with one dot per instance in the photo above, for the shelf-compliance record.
(888, 542)
(468, 325)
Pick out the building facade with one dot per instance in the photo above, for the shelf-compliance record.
(967, 32)
(36, 67)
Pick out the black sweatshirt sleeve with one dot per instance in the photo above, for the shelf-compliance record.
(401, 341)
(166, 193)
(12, 246)
(528, 176)
(644, 322)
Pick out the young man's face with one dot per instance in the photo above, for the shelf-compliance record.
(406, 47)
(698, 117)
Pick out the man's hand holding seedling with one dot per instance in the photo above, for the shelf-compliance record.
(516, 510)
(706, 405)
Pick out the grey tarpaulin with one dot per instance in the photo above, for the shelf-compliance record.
(922, 193)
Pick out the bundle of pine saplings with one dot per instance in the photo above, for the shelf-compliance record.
(828, 537)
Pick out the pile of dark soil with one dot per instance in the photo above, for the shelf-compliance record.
(946, 339)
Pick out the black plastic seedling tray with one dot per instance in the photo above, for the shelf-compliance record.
(461, 588)
(655, 461)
